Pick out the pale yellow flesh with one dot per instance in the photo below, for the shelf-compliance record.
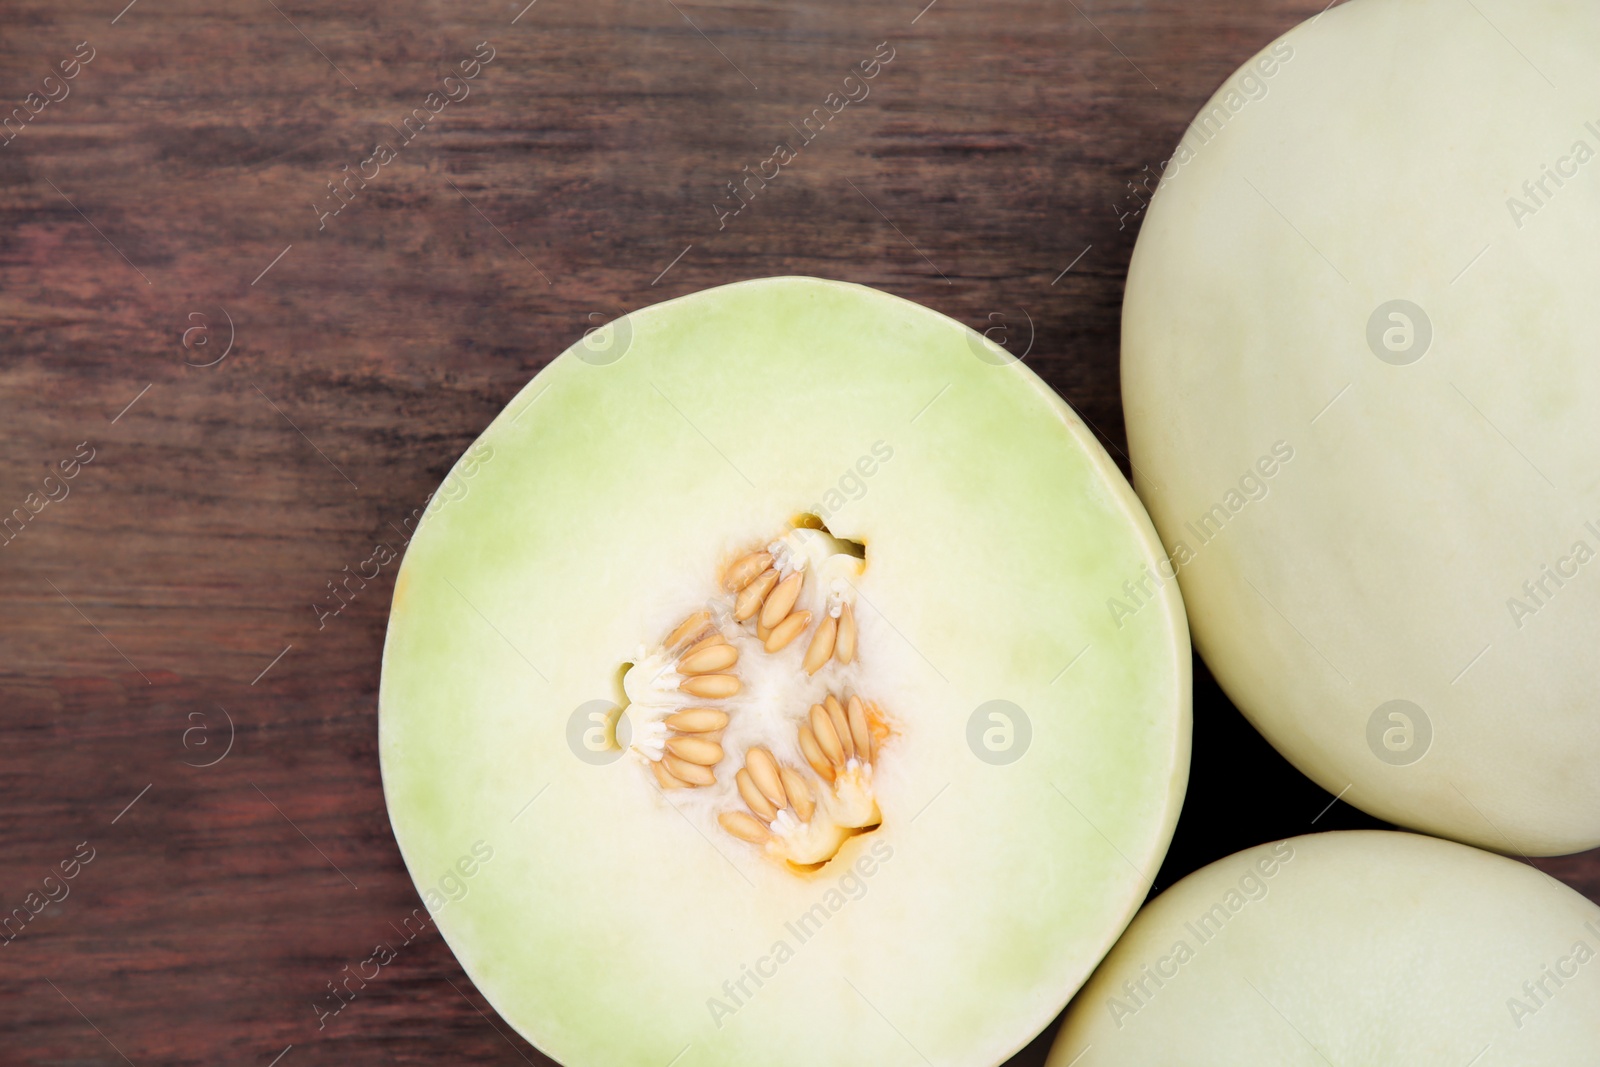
(1384, 559)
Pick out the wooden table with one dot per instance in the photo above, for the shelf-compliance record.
(176, 197)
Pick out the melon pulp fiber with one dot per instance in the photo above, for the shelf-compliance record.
(1356, 948)
(619, 920)
(1366, 504)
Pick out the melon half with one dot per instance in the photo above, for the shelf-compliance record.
(1358, 948)
(1361, 370)
(760, 643)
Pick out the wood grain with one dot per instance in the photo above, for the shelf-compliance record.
(180, 184)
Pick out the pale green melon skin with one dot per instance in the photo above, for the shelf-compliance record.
(604, 923)
(1382, 561)
(1362, 949)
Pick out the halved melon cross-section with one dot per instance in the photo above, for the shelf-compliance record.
(771, 658)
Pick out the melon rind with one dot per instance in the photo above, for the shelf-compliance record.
(1380, 161)
(591, 514)
(1362, 947)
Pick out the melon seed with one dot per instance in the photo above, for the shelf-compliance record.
(799, 793)
(705, 642)
(710, 686)
(827, 736)
(764, 770)
(752, 596)
(786, 631)
(845, 646)
(841, 726)
(697, 720)
(782, 600)
(684, 771)
(753, 797)
(665, 779)
(744, 827)
(709, 660)
(695, 750)
(688, 629)
(746, 570)
(858, 730)
(822, 645)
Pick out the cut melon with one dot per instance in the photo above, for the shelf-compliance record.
(1360, 373)
(1358, 948)
(697, 649)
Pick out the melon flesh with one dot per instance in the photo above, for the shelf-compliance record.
(1357, 948)
(1428, 524)
(619, 922)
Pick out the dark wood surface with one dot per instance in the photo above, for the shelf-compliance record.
(172, 189)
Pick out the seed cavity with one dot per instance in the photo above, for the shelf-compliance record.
(804, 821)
(802, 782)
